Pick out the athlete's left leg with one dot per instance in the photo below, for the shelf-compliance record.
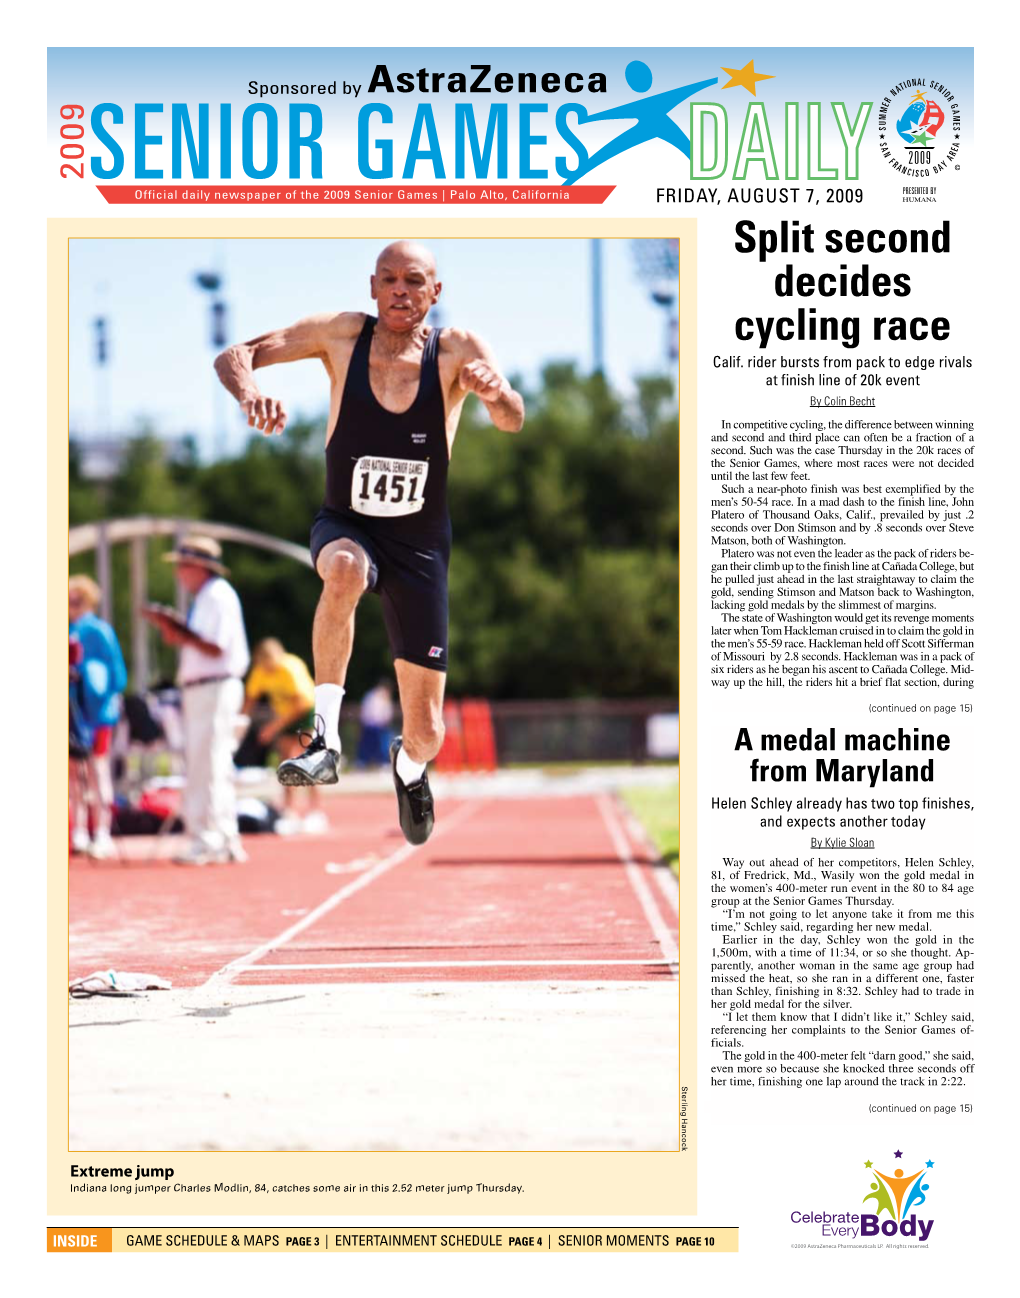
(421, 701)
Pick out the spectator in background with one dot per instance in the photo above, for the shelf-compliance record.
(214, 659)
(376, 726)
(97, 684)
(285, 681)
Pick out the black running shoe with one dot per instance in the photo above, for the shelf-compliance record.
(316, 765)
(414, 802)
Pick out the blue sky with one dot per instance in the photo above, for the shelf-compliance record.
(155, 74)
(529, 298)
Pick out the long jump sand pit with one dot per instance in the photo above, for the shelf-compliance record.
(431, 1066)
(510, 985)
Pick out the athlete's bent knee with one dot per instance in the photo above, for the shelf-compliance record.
(345, 572)
(424, 737)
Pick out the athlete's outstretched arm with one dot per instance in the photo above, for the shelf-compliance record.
(480, 374)
(302, 341)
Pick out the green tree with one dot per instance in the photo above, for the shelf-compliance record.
(564, 575)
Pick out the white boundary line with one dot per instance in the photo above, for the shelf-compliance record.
(452, 964)
(229, 971)
(669, 886)
(667, 882)
(664, 935)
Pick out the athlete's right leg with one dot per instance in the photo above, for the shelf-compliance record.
(345, 570)
(288, 746)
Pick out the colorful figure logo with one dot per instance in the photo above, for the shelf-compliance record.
(921, 122)
(897, 1193)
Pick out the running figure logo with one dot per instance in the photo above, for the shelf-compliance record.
(651, 115)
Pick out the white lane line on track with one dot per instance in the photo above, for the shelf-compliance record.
(229, 971)
(667, 882)
(454, 964)
(664, 935)
(669, 886)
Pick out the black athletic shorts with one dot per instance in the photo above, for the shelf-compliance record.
(411, 581)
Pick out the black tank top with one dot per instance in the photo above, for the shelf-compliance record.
(387, 472)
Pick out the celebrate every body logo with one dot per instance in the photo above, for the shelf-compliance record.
(897, 1194)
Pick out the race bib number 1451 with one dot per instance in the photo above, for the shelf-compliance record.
(388, 488)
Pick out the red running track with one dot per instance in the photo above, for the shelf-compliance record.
(535, 889)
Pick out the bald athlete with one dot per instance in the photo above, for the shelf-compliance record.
(397, 388)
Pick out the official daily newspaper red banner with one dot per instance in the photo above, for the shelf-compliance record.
(376, 194)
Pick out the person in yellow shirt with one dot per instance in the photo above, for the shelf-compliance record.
(284, 680)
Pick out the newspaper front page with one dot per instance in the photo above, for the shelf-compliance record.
(536, 660)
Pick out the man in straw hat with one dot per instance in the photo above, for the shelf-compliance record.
(397, 389)
(214, 659)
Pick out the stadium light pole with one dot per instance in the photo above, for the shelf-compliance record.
(658, 265)
(597, 330)
(101, 355)
(103, 429)
(210, 282)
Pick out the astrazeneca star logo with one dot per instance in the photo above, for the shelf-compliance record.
(650, 113)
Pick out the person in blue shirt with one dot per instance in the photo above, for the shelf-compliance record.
(97, 682)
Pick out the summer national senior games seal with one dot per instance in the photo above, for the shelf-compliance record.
(919, 127)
